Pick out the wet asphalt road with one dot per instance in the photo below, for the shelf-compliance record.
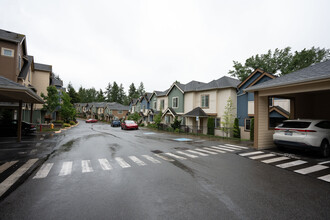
(222, 186)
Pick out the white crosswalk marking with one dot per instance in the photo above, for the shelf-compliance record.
(43, 171)
(105, 165)
(42, 139)
(223, 148)
(237, 146)
(86, 166)
(5, 166)
(291, 164)
(122, 162)
(213, 149)
(175, 156)
(38, 144)
(261, 156)
(66, 169)
(251, 153)
(164, 158)
(137, 161)
(151, 159)
(231, 148)
(186, 154)
(325, 178)
(7, 183)
(277, 159)
(196, 152)
(311, 169)
(205, 151)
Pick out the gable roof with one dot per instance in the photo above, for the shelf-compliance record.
(318, 71)
(196, 112)
(170, 110)
(221, 83)
(14, 38)
(263, 73)
(280, 110)
(26, 67)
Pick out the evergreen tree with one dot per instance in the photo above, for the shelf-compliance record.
(108, 92)
(237, 131)
(74, 96)
(100, 96)
(141, 90)
(52, 100)
(121, 94)
(114, 92)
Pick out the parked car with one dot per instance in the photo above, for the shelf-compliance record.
(304, 134)
(9, 128)
(128, 124)
(115, 123)
(91, 120)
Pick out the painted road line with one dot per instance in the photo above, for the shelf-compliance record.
(5, 166)
(175, 156)
(291, 164)
(38, 144)
(105, 165)
(196, 152)
(324, 162)
(43, 171)
(122, 162)
(216, 150)
(231, 148)
(205, 151)
(137, 161)
(311, 169)
(66, 169)
(325, 178)
(251, 153)
(151, 159)
(277, 159)
(262, 156)
(164, 158)
(237, 146)
(223, 148)
(186, 154)
(86, 166)
(7, 183)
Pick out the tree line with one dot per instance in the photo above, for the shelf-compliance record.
(112, 93)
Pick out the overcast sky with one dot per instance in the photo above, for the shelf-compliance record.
(92, 43)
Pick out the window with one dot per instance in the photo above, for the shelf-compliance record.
(7, 52)
(205, 101)
(120, 112)
(167, 119)
(323, 124)
(175, 102)
(162, 104)
(217, 123)
(155, 105)
(247, 124)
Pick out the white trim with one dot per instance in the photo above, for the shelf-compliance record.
(245, 124)
(177, 101)
(3, 52)
(172, 88)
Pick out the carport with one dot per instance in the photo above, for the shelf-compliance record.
(308, 90)
(12, 92)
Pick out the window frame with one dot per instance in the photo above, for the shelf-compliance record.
(162, 104)
(247, 119)
(3, 49)
(215, 123)
(203, 97)
(177, 103)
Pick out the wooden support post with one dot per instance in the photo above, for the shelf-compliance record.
(31, 113)
(19, 122)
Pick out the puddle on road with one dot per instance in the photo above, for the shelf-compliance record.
(113, 149)
(183, 167)
(181, 148)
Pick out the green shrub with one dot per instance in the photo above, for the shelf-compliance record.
(170, 129)
(210, 126)
(152, 126)
(58, 121)
(66, 125)
(252, 130)
(142, 124)
(72, 123)
(176, 123)
(177, 130)
(237, 131)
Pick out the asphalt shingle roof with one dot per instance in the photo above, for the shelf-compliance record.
(11, 36)
(196, 112)
(6, 83)
(223, 82)
(314, 72)
(43, 67)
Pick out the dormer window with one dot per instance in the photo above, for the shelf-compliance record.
(7, 52)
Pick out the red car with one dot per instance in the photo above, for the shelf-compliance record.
(91, 120)
(127, 124)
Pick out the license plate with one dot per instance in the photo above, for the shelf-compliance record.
(288, 133)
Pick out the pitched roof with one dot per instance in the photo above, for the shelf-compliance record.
(43, 67)
(11, 36)
(171, 110)
(221, 83)
(196, 112)
(26, 67)
(148, 95)
(117, 106)
(159, 93)
(314, 72)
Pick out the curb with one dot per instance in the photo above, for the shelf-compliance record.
(64, 129)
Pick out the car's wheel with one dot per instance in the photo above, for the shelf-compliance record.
(121, 128)
(325, 148)
(280, 147)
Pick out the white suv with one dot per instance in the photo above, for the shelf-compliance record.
(304, 133)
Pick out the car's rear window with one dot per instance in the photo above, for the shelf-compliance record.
(295, 124)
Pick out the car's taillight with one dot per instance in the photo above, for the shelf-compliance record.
(277, 129)
(306, 130)
(32, 126)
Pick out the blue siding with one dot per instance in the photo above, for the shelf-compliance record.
(275, 114)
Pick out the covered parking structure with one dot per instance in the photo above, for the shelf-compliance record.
(308, 90)
(12, 92)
